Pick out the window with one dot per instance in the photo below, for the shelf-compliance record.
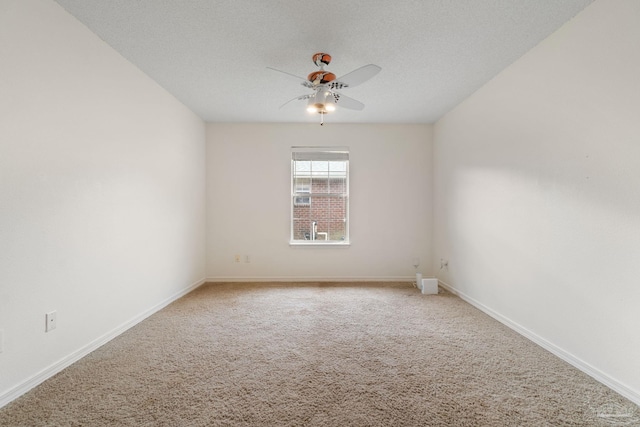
(302, 186)
(319, 195)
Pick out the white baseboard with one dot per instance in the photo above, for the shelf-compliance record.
(313, 279)
(612, 383)
(51, 370)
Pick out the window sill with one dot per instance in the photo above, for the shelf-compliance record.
(318, 243)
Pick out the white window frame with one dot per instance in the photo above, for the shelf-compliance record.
(319, 154)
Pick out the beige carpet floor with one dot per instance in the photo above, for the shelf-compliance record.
(317, 354)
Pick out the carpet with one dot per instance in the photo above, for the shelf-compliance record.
(320, 354)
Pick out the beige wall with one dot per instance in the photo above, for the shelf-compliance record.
(101, 192)
(537, 194)
(248, 212)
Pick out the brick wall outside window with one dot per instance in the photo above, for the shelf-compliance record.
(328, 212)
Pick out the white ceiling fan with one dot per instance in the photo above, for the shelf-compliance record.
(325, 86)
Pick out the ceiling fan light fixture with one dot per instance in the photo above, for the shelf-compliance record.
(320, 108)
(321, 102)
(329, 106)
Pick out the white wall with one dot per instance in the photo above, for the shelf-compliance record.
(101, 192)
(537, 194)
(248, 193)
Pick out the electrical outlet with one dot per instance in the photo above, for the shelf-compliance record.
(1, 340)
(237, 258)
(444, 263)
(51, 320)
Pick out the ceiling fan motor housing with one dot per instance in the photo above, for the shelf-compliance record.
(321, 77)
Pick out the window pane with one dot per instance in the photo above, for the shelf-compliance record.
(337, 222)
(338, 168)
(301, 222)
(303, 167)
(323, 219)
(319, 186)
(337, 186)
(302, 185)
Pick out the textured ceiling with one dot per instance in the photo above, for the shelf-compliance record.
(212, 54)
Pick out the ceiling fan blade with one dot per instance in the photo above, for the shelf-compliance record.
(356, 77)
(347, 102)
(297, 98)
(304, 82)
